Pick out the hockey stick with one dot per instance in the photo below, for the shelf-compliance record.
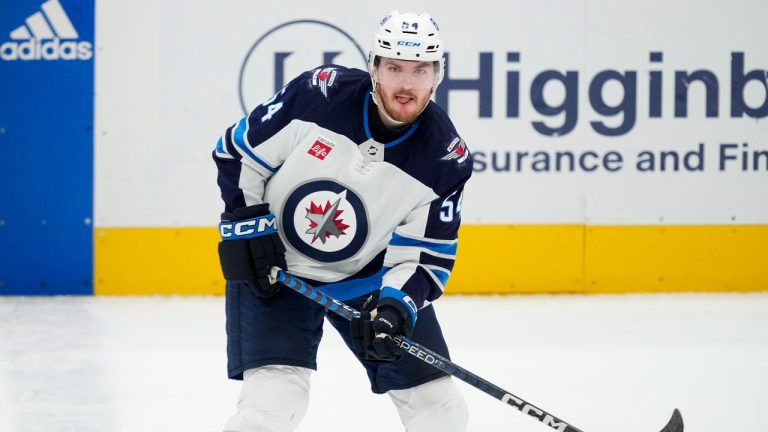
(428, 356)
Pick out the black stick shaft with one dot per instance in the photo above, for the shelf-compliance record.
(428, 356)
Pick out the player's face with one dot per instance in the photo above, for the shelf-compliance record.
(404, 87)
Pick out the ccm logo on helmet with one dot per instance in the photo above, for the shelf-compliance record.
(409, 43)
(248, 228)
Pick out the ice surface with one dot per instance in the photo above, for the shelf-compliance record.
(602, 363)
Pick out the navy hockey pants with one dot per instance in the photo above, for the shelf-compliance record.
(286, 330)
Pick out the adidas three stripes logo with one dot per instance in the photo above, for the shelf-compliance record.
(46, 35)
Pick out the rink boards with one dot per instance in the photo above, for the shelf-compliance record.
(491, 260)
(618, 147)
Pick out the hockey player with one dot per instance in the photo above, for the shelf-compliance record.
(353, 181)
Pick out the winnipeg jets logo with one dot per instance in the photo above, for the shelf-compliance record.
(457, 150)
(324, 79)
(325, 222)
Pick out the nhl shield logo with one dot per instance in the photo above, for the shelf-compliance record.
(325, 221)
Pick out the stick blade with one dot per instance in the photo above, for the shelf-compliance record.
(675, 423)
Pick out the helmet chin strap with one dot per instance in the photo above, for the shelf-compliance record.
(388, 120)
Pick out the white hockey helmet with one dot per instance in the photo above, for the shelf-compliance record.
(408, 36)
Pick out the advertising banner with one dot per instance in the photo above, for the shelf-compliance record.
(46, 147)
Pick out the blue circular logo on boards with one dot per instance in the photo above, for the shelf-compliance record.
(287, 50)
(325, 221)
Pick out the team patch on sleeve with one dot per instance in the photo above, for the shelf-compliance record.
(457, 150)
(323, 78)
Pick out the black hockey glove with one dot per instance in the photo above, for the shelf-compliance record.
(387, 312)
(249, 247)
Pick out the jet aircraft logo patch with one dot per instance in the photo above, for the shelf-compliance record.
(325, 221)
(457, 150)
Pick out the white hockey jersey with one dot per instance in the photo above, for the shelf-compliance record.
(355, 214)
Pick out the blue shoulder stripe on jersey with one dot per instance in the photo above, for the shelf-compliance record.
(442, 248)
(368, 129)
(221, 149)
(239, 139)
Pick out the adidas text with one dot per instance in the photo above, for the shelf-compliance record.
(52, 49)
